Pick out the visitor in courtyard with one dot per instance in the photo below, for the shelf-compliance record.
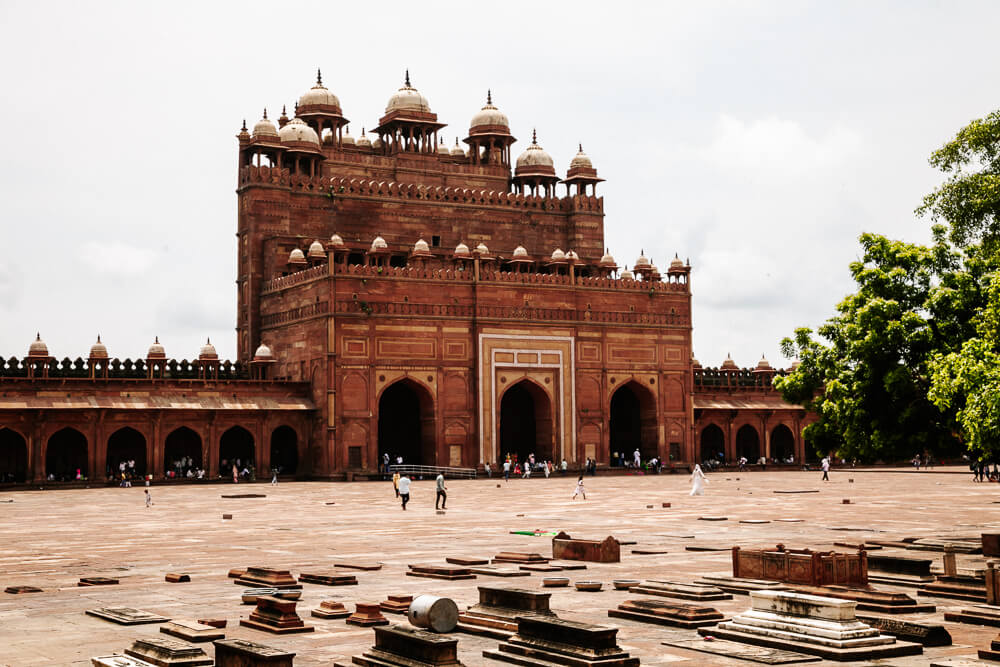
(564, 466)
(579, 488)
(506, 470)
(395, 482)
(637, 457)
(698, 481)
(442, 492)
(236, 475)
(404, 490)
(274, 476)
(385, 463)
(547, 468)
(149, 498)
(825, 464)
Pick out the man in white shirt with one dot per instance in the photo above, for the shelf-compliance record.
(637, 457)
(442, 492)
(826, 468)
(404, 490)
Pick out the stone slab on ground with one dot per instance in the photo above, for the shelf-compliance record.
(446, 572)
(460, 560)
(520, 557)
(243, 653)
(869, 599)
(192, 631)
(672, 589)
(97, 581)
(250, 595)
(927, 634)
(796, 491)
(402, 646)
(267, 577)
(126, 615)
(661, 612)
(357, 565)
(976, 615)
(168, 652)
(118, 660)
(275, 615)
(331, 609)
(396, 604)
(21, 590)
(740, 584)
(367, 614)
(649, 552)
(328, 579)
(729, 649)
(544, 641)
(494, 571)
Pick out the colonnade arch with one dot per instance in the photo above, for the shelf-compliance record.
(182, 449)
(284, 450)
(406, 424)
(236, 447)
(66, 455)
(526, 422)
(13, 456)
(712, 443)
(782, 443)
(126, 444)
(748, 443)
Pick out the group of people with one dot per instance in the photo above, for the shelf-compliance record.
(511, 466)
(238, 468)
(620, 460)
(981, 472)
(185, 468)
(401, 485)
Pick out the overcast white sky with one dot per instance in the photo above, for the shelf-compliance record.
(757, 138)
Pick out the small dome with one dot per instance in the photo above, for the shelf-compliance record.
(581, 161)
(336, 241)
(607, 259)
(263, 353)
(729, 364)
(694, 362)
(265, 129)
(642, 261)
(316, 251)
(456, 150)
(363, 141)
(627, 275)
(297, 131)
(379, 243)
(408, 98)
(443, 148)
(318, 95)
(535, 159)
(519, 251)
(347, 139)
(421, 246)
(763, 364)
(489, 117)
(676, 263)
(462, 249)
(296, 257)
(208, 351)
(98, 350)
(482, 249)
(572, 256)
(558, 255)
(156, 350)
(38, 348)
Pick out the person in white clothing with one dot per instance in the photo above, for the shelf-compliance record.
(637, 457)
(579, 489)
(404, 490)
(698, 481)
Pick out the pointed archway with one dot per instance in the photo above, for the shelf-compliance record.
(406, 425)
(66, 455)
(633, 422)
(525, 423)
(713, 443)
(284, 450)
(748, 443)
(782, 443)
(13, 457)
(182, 451)
(236, 447)
(125, 445)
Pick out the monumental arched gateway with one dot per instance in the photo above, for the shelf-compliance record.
(406, 424)
(633, 422)
(526, 423)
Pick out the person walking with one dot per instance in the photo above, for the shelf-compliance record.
(488, 469)
(579, 489)
(236, 475)
(404, 490)
(637, 458)
(548, 468)
(395, 483)
(385, 463)
(274, 476)
(149, 498)
(825, 464)
(564, 467)
(698, 481)
(506, 470)
(442, 492)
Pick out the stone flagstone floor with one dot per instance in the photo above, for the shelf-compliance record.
(52, 538)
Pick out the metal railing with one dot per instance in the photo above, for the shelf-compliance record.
(430, 472)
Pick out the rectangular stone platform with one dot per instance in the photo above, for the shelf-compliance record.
(926, 634)
(992, 653)
(498, 609)
(250, 595)
(801, 566)
(165, 652)
(126, 615)
(899, 570)
(331, 609)
(661, 612)
(192, 631)
(494, 571)
(976, 615)
(369, 566)
(267, 577)
(404, 646)
(21, 590)
(955, 588)
(97, 581)
(741, 585)
(328, 579)
(243, 653)
(672, 589)
(868, 599)
(458, 560)
(519, 557)
(447, 572)
(821, 626)
(275, 615)
(565, 547)
(177, 578)
(118, 660)
(396, 604)
(960, 545)
(367, 614)
(736, 650)
(544, 642)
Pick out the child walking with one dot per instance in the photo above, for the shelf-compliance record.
(579, 489)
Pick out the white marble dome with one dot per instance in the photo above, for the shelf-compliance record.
(346, 139)
(607, 259)
(316, 250)
(265, 129)
(535, 156)
(336, 241)
(482, 249)
(457, 150)
(489, 115)
(156, 350)
(461, 249)
(421, 246)
(379, 243)
(642, 261)
(408, 98)
(296, 257)
(319, 95)
(38, 348)
(519, 251)
(581, 161)
(98, 350)
(558, 255)
(296, 130)
(208, 351)
(263, 353)
(363, 141)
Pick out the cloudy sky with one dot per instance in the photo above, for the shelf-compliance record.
(756, 138)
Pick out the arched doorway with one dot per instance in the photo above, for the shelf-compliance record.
(182, 452)
(66, 455)
(13, 457)
(525, 423)
(713, 443)
(748, 443)
(125, 445)
(782, 443)
(406, 424)
(236, 447)
(284, 450)
(633, 422)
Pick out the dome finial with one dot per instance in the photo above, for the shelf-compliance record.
(156, 339)
(98, 338)
(265, 112)
(208, 341)
(534, 137)
(283, 112)
(319, 77)
(38, 335)
(407, 78)
(244, 128)
(489, 96)
(580, 147)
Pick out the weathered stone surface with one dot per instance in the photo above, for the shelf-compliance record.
(97, 581)
(869, 599)
(243, 653)
(214, 622)
(250, 595)
(396, 604)
(928, 634)
(20, 590)
(458, 560)
(494, 571)
(976, 615)
(520, 557)
(667, 613)
(192, 631)
(565, 547)
(328, 579)
(498, 609)
(275, 615)
(367, 614)
(672, 589)
(177, 578)
(409, 647)
(721, 647)
(358, 565)
(546, 641)
(962, 545)
(801, 566)
(168, 652)
(118, 660)
(741, 585)
(267, 577)
(955, 588)
(447, 572)
(331, 609)
(126, 615)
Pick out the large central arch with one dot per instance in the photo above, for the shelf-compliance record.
(526, 422)
(748, 443)
(406, 423)
(182, 450)
(633, 422)
(713, 443)
(126, 444)
(236, 447)
(66, 455)
(13, 456)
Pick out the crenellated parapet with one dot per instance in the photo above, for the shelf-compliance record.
(117, 369)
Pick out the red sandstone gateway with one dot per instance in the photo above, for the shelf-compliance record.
(397, 296)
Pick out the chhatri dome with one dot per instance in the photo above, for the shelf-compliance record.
(581, 160)
(363, 141)
(208, 351)
(38, 348)
(408, 98)
(98, 350)
(319, 96)
(534, 160)
(263, 353)
(296, 131)
(489, 119)
(456, 150)
(265, 129)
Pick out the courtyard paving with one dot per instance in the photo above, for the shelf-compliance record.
(51, 538)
